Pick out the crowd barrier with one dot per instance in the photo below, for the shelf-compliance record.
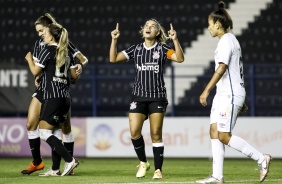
(184, 137)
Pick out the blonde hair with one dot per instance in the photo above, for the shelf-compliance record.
(45, 20)
(162, 37)
(60, 35)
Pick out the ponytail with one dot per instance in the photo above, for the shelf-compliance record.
(222, 16)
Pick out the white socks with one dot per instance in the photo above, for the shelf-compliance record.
(33, 134)
(58, 133)
(242, 146)
(218, 150)
(68, 137)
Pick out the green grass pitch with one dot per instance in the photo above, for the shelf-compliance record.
(122, 170)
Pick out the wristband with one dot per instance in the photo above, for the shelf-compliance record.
(85, 60)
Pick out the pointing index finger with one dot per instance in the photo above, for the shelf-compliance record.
(171, 28)
(117, 26)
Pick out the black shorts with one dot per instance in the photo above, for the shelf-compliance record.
(39, 95)
(55, 110)
(147, 107)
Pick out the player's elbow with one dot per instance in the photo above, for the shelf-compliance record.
(181, 60)
(113, 60)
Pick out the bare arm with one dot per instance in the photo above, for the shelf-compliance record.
(83, 62)
(35, 70)
(178, 56)
(215, 78)
(82, 59)
(114, 55)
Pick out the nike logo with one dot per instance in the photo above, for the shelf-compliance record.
(159, 107)
(139, 55)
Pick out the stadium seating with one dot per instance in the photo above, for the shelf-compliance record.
(104, 89)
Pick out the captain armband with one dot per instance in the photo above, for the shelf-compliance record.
(169, 53)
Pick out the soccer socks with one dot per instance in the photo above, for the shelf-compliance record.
(56, 161)
(242, 146)
(69, 142)
(56, 158)
(34, 143)
(57, 146)
(158, 150)
(218, 151)
(139, 147)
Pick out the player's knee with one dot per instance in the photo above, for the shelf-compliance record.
(45, 134)
(156, 137)
(28, 126)
(135, 134)
(224, 138)
(66, 129)
(31, 125)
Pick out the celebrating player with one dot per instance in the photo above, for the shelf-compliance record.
(54, 63)
(229, 99)
(148, 99)
(35, 105)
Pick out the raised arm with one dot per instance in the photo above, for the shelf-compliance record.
(114, 55)
(178, 56)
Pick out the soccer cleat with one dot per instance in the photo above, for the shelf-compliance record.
(32, 168)
(264, 167)
(143, 167)
(69, 166)
(211, 179)
(50, 172)
(158, 174)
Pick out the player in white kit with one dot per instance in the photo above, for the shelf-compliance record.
(229, 99)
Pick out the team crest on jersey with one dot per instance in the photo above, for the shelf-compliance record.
(139, 48)
(156, 55)
(222, 114)
(133, 105)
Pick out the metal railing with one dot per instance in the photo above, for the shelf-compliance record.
(253, 73)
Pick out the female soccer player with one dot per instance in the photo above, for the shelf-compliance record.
(55, 63)
(229, 99)
(149, 93)
(35, 105)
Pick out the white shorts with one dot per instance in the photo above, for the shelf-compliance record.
(224, 113)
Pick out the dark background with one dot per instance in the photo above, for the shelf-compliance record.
(104, 89)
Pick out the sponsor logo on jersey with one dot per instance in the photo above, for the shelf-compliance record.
(60, 80)
(148, 67)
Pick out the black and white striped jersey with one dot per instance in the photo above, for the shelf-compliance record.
(54, 82)
(39, 45)
(150, 65)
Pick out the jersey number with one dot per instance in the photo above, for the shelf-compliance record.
(63, 70)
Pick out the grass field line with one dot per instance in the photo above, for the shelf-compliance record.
(175, 182)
